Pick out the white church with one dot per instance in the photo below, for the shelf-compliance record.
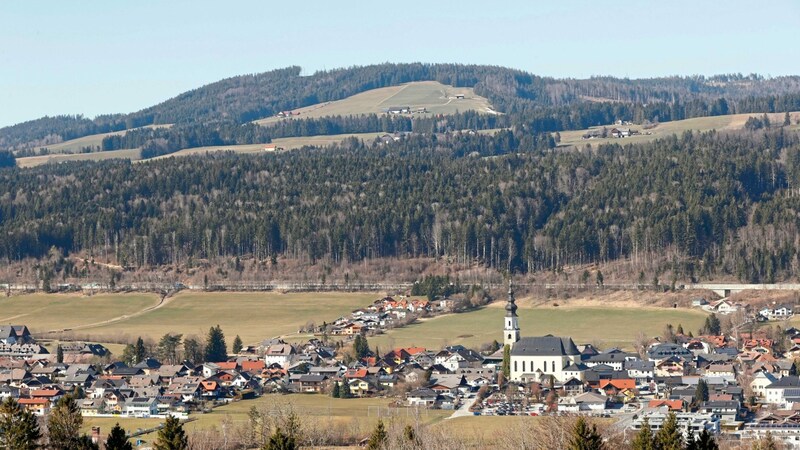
(537, 358)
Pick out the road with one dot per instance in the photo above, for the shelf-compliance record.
(463, 410)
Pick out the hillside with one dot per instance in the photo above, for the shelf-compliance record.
(432, 96)
(731, 122)
(540, 104)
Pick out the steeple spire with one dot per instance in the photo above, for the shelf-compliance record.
(511, 328)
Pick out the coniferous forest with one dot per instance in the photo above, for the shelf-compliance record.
(711, 205)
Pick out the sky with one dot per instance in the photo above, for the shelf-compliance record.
(95, 57)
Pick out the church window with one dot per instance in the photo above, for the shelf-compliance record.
(554, 367)
(509, 336)
(515, 366)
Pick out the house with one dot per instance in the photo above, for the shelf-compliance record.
(38, 406)
(726, 411)
(279, 354)
(399, 110)
(312, 383)
(723, 306)
(780, 312)
(640, 371)
(662, 351)
(783, 391)
(761, 380)
(586, 402)
(91, 406)
(671, 366)
(140, 407)
(621, 132)
(424, 397)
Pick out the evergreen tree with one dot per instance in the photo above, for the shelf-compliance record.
(64, 425)
(669, 437)
(704, 441)
(139, 351)
(59, 354)
(335, 390)
(118, 439)
(129, 355)
(378, 438)
(787, 119)
(19, 429)
(507, 360)
(171, 436)
(193, 350)
(168, 348)
(237, 345)
(216, 349)
(701, 392)
(644, 438)
(344, 390)
(361, 346)
(680, 329)
(280, 441)
(585, 437)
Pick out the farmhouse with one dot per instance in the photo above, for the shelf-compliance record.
(399, 110)
(537, 358)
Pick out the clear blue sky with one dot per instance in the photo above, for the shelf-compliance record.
(94, 57)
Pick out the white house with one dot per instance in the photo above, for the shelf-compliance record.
(760, 382)
(278, 354)
(140, 407)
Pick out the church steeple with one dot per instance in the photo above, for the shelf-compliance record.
(511, 328)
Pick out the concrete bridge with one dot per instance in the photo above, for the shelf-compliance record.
(726, 289)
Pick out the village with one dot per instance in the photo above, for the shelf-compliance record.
(741, 384)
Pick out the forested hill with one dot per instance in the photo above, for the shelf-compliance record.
(704, 205)
(541, 104)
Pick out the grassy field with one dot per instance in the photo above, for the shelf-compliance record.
(729, 122)
(357, 415)
(607, 326)
(435, 97)
(254, 316)
(32, 161)
(286, 143)
(44, 312)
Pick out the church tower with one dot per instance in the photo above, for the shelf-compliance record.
(511, 328)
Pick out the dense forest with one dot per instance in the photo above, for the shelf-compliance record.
(706, 204)
(534, 103)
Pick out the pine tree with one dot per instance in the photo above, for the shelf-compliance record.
(585, 437)
(172, 436)
(335, 390)
(216, 350)
(704, 441)
(669, 437)
(280, 441)
(237, 345)
(19, 429)
(117, 439)
(59, 354)
(644, 438)
(344, 390)
(787, 119)
(64, 425)
(378, 438)
(507, 361)
(129, 355)
(701, 392)
(139, 351)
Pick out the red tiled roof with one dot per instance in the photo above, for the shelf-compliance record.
(674, 405)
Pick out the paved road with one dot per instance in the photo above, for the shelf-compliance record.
(463, 410)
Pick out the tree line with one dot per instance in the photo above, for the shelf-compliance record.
(547, 104)
(708, 204)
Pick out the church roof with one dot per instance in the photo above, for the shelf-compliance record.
(545, 346)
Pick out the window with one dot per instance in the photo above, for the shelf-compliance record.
(515, 366)
(509, 336)
(554, 367)
(523, 366)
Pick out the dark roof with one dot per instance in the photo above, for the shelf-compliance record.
(785, 382)
(545, 346)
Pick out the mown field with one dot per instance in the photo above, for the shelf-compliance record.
(254, 316)
(45, 312)
(435, 97)
(607, 326)
(729, 122)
